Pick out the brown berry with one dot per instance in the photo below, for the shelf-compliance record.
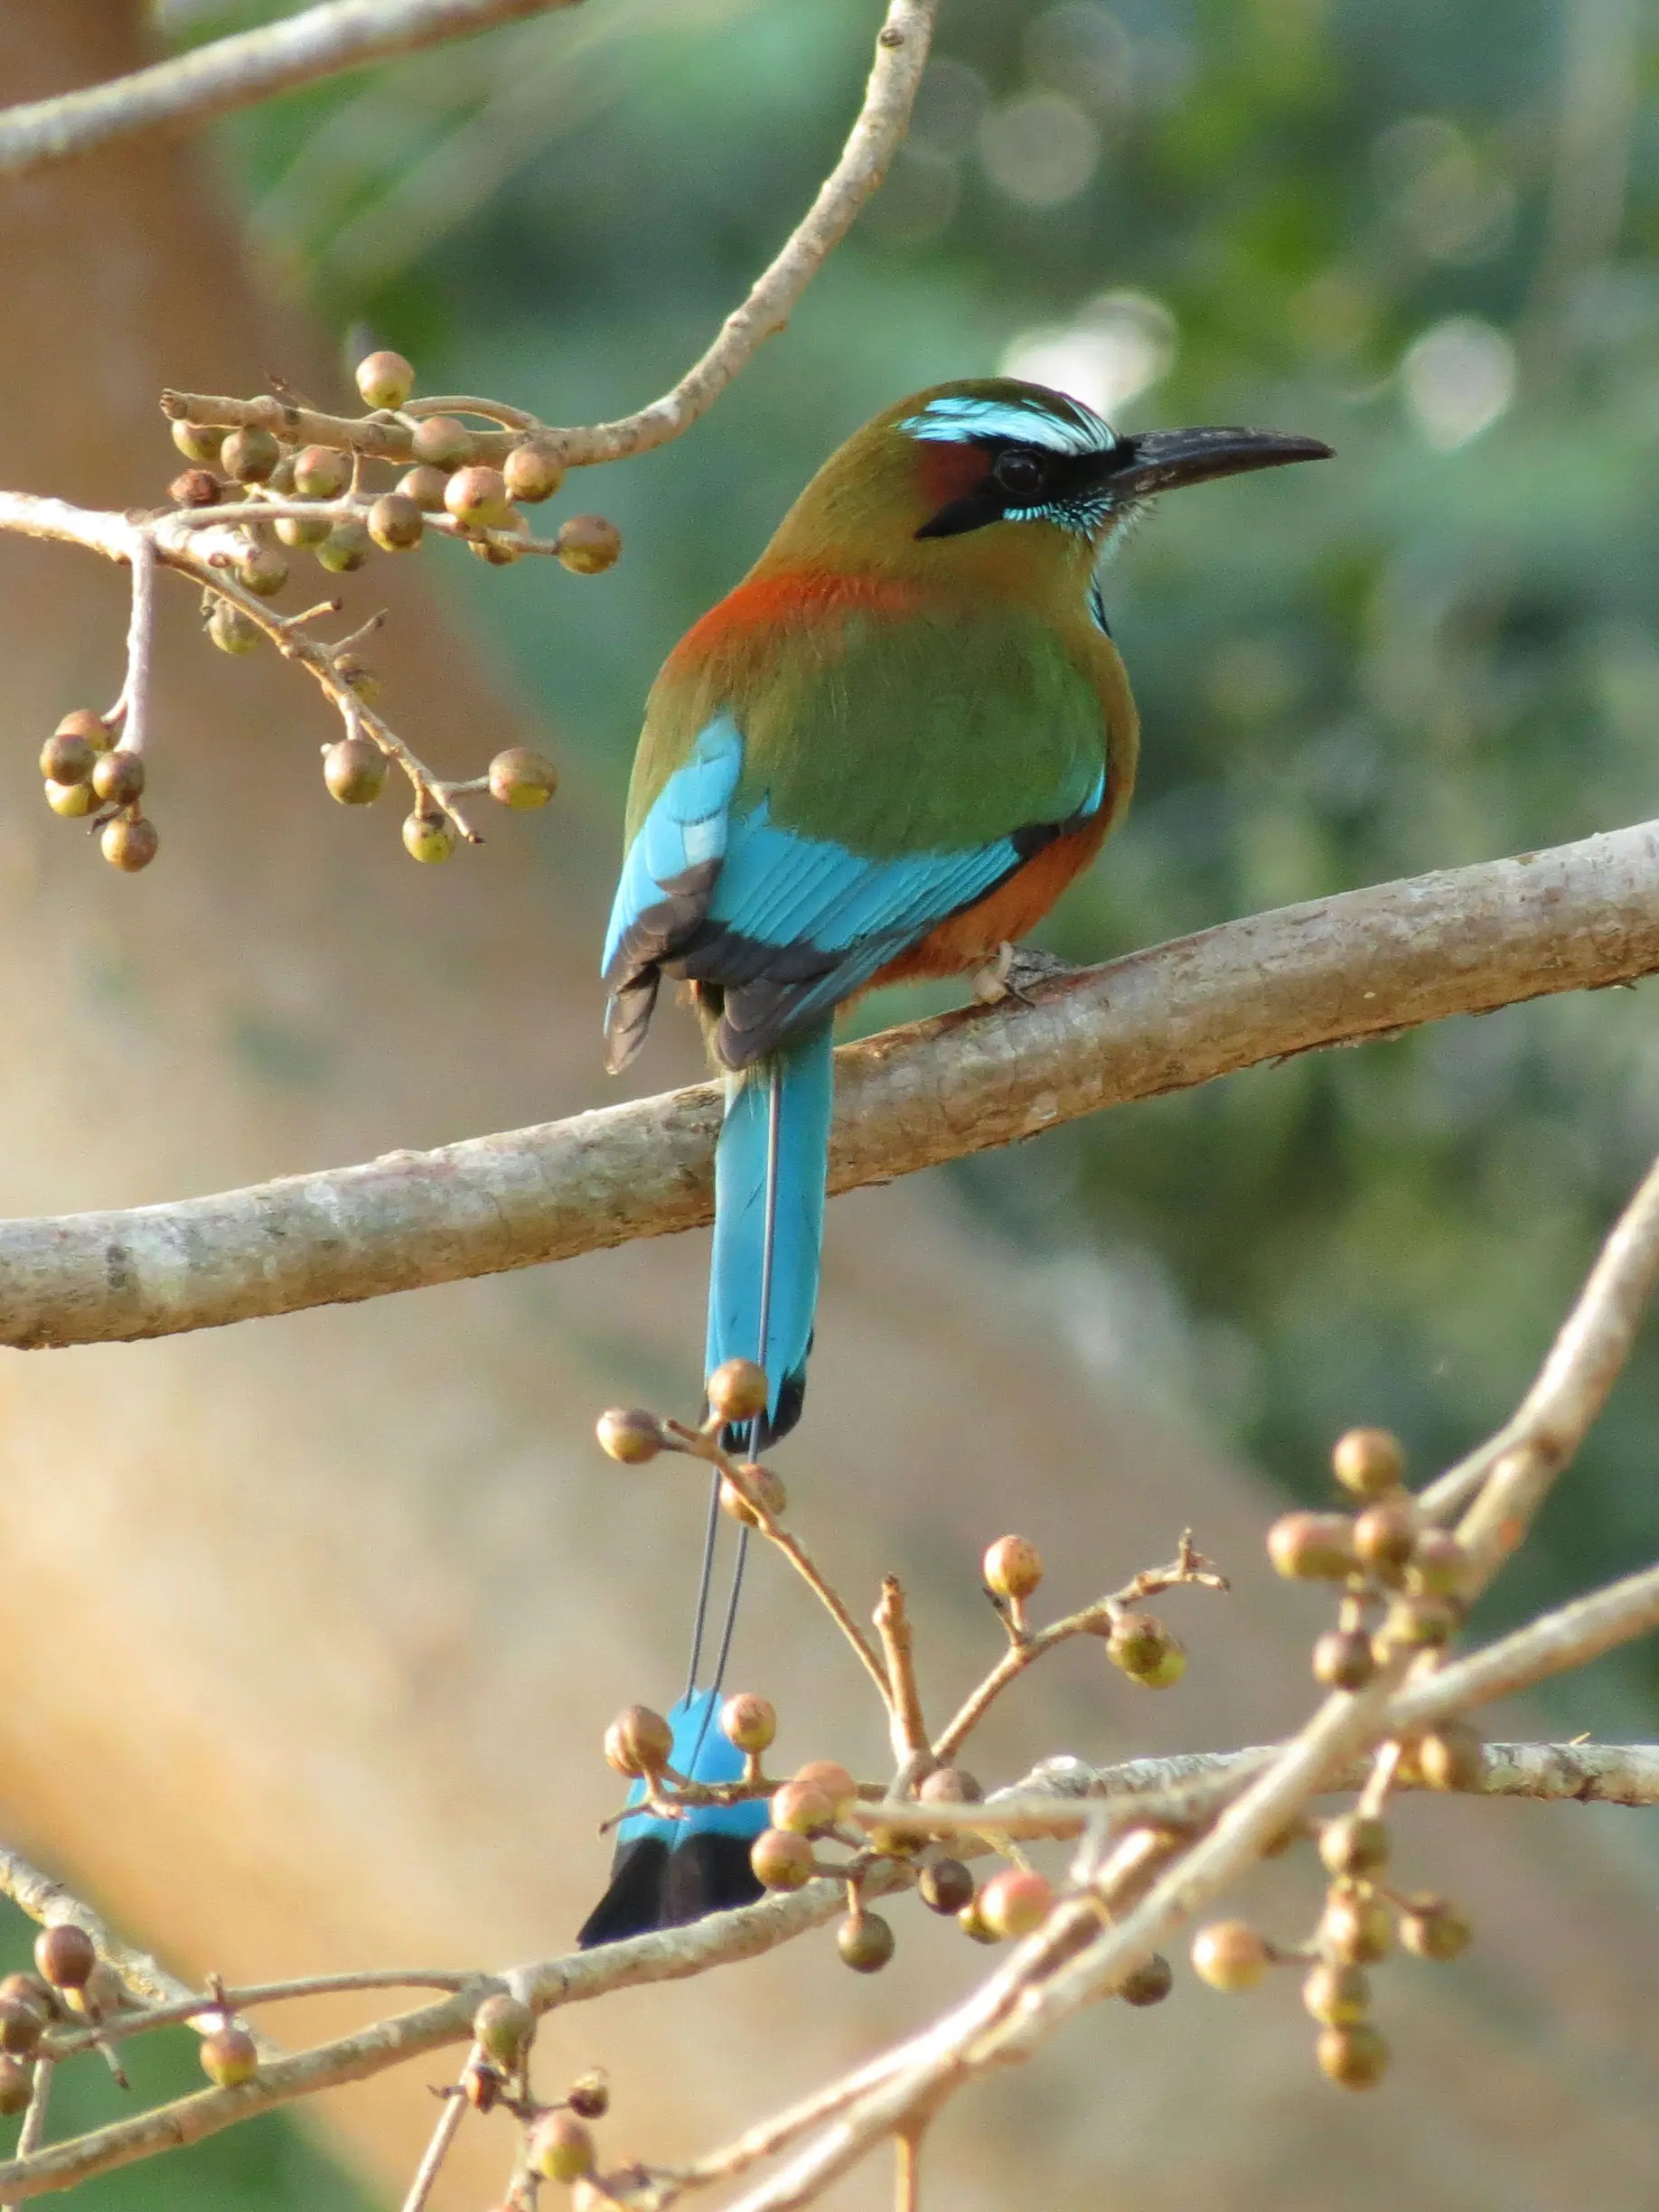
(250, 456)
(802, 1808)
(1354, 1930)
(782, 1859)
(355, 770)
(1342, 1659)
(1150, 1984)
(199, 442)
(228, 2057)
(865, 1941)
(1148, 1653)
(1439, 1565)
(1449, 1756)
(67, 759)
(441, 441)
(129, 842)
(65, 1954)
(503, 2028)
(1015, 1901)
(521, 778)
(639, 1742)
(1313, 1547)
(1337, 1996)
(385, 379)
(69, 800)
(1368, 1462)
(195, 488)
(31, 1989)
(478, 498)
(534, 471)
(629, 1434)
(427, 837)
(302, 530)
(426, 486)
(974, 1925)
(737, 1390)
(481, 2084)
(1385, 1536)
(1353, 1844)
(396, 523)
(837, 1784)
(589, 2095)
(346, 549)
(946, 1885)
(949, 1785)
(1012, 1567)
(322, 473)
(21, 2027)
(118, 777)
(263, 572)
(81, 722)
(587, 544)
(1353, 2057)
(1228, 1955)
(16, 2087)
(558, 2148)
(501, 550)
(1433, 1929)
(748, 1722)
(766, 1486)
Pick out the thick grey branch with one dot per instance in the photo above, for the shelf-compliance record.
(1338, 970)
(236, 71)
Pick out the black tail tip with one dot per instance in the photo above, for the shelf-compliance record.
(653, 1887)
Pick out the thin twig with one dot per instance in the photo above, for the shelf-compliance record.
(449, 2121)
(904, 1699)
(140, 645)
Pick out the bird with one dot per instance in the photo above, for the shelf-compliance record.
(882, 757)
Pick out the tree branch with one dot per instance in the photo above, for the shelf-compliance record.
(1362, 965)
(236, 71)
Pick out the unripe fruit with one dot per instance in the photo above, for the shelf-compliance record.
(533, 470)
(1439, 1565)
(1433, 1929)
(426, 486)
(1149, 1984)
(232, 630)
(589, 2095)
(355, 770)
(558, 2148)
(427, 837)
(973, 1924)
(441, 441)
(20, 2027)
(1449, 1756)
(1353, 2057)
(1385, 1536)
(301, 530)
(1416, 1623)
(353, 670)
(1368, 1462)
(1355, 1931)
(830, 1776)
(737, 1390)
(81, 722)
(69, 800)
(16, 2087)
(199, 442)
(1148, 1652)
(385, 379)
(502, 2027)
(1012, 1567)
(1337, 1996)
(748, 1722)
(1228, 1955)
(67, 759)
(520, 778)
(228, 2056)
(119, 777)
(1343, 1660)
(781, 1860)
(322, 473)
(481, 2084)
(802, 1808)
(628, 1434)
(865, 1941)
(250, 456)
(395, 523)
(346, 547)
(478, 497)
(766, 1485)
(65, 1954)
(949, 1785)
(638, 1742)
(501, 550)
(1313, 1547)
(263, 571)
(195, 488)
(1015, 1901)
(1353, 1844)
(946, 1885)
(129, 842)
(29, 1989)
(587, 544)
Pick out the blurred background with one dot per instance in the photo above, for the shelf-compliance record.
(1427, 235)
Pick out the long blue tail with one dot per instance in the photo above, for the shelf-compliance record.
(770, 1166)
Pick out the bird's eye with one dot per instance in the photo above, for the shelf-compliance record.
(1021, 474)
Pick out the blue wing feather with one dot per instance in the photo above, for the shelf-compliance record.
(701, 1753)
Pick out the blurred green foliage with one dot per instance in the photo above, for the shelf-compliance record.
(1426, 233)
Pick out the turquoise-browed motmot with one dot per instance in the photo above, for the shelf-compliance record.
(884, 755)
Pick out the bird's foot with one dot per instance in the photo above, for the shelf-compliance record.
(1015, 970)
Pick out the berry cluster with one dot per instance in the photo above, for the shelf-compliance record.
(87, 771)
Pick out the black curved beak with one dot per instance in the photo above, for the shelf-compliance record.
(1163, 460)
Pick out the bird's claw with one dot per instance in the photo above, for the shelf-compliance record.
(1015, 970)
